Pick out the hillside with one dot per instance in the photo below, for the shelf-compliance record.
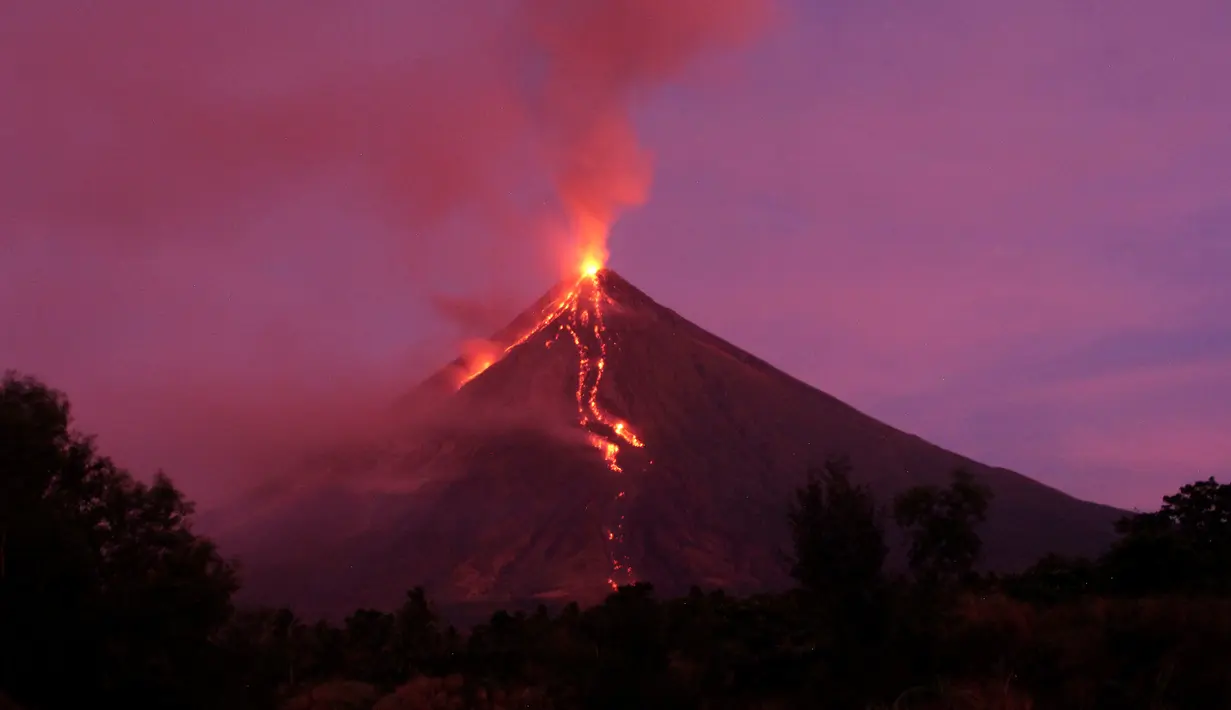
(513, 499)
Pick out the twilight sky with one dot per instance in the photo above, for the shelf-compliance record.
(228, 227)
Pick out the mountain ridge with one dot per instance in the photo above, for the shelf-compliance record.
(521, 500)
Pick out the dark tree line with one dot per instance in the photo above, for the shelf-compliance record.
(838, 533)
(105, 592)
(1182, 549)
(108, 597)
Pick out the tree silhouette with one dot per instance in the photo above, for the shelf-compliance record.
(941, 524)
(840, 551)
(628, 637)
(837, 535)
(102, 578)
(369, 637)
(416, 632)
(1185, 546)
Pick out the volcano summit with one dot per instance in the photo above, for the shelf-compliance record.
(604, 439)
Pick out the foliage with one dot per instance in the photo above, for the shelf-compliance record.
(839, 556)
(724, 652)
(1183, 547)
(839, 541)
(942, 525)
(101, 577)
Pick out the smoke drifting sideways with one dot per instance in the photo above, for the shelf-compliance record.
(214, 213)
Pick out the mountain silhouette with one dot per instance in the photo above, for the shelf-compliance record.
(614, 441)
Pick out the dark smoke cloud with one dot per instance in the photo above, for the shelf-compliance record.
(170, 168)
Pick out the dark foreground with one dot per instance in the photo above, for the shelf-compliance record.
(712, 651)
(108, 599)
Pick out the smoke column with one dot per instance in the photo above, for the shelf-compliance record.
(600, 57)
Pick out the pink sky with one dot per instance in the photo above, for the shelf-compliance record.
(1002, 226)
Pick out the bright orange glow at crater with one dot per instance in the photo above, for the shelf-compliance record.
(591, 234)
(578, 314)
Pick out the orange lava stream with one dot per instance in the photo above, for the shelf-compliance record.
(592, 363)
(606, 433)
(552, 314)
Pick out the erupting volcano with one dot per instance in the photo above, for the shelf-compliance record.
(603, 439)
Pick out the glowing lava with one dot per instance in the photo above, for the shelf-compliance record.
(479, 369)
(586, 327)
(580, 314)
(480, 365)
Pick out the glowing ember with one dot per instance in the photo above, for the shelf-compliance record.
(478, 370)
(608, 450)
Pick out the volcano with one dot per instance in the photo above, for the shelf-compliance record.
(601, 439)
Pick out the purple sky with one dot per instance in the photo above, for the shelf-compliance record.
(1003, 226)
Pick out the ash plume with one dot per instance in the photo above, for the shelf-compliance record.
(601, 56)
(168, 163)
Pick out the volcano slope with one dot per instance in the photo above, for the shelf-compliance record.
(529, 485)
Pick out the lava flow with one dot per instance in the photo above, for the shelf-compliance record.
(588, 331)
(580, 314)
(481, 365)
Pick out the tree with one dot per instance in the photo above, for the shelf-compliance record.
(416, 632)
(1185, 546)
(632, 658)
(102, 580)
(270, 650)
(941, 524)
(839, 545)
(837, 535)
(369, 637)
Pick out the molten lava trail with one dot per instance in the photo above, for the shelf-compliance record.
(478, 368)
(584, 323)
(580, 314)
